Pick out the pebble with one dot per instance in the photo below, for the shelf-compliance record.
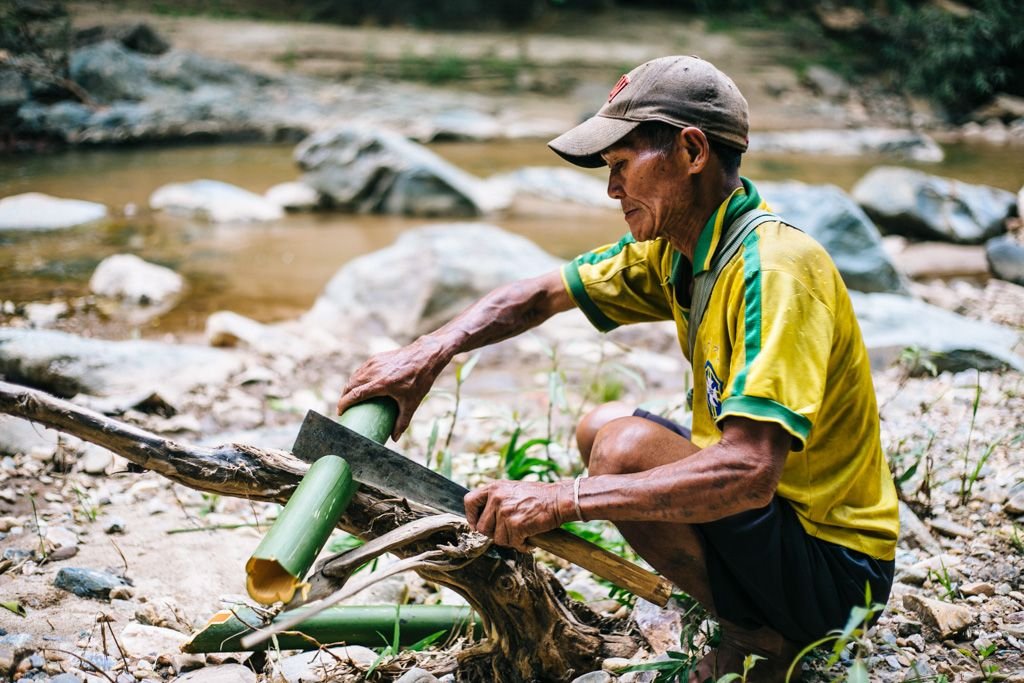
(949, 528)
(594, 677)
(1015, 504)
(149, 642)
(87, 583)
(66, 678)
(63, 553)
(121, 593)
(309, 666)
(114, 525)
(8, 523)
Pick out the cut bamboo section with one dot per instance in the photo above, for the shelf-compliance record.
(276, 570)
(367, 625)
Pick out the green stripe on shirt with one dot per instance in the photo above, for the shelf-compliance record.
(766, 409)
(751, 309)
(571, 275)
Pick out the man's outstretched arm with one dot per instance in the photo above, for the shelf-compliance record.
(407, 374)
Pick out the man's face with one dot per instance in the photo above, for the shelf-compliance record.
(653, 187)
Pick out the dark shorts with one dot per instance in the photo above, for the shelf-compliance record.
(765, 570)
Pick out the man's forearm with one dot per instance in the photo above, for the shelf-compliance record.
(503, 313)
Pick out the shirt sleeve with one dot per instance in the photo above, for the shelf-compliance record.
(620, 283)
(782, 338)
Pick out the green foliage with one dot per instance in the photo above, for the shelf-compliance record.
(950, 589)
(959, 60)
(853, 635)
(1017, 539)
(518, 464)
(989, 672)
(342, 542)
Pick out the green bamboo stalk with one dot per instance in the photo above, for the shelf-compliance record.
(374, 418)
(275, 571)
(349, 624)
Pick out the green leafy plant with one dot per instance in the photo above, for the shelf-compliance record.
(85, 508)
(1016, 540)
(39, 530)
(693, 638)
(210, 502)
(950, 588)
(854, 635)
(968, 476)
(517, 463)
(989, 672)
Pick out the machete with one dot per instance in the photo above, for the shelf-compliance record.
(380, 467)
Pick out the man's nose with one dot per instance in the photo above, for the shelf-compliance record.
(615, 187)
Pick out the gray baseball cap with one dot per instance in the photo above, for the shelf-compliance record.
(681, 91)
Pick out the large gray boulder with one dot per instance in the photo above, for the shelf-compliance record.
(906, 202)
(900, 144)
(828, 215)
(1006, 258)
(424, 280)
(65, 364)
(376, 171)
(892, 323)
(110, 72)
(37, 211)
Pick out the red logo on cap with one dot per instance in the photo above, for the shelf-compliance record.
(623, 82)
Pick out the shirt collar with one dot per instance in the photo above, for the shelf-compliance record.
(742, 199)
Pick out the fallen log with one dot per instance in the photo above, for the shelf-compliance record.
(534, 631)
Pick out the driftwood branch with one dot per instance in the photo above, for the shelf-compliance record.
(534, 631)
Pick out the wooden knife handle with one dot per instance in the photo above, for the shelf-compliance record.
(605, 564)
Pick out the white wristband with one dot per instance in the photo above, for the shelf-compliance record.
(576, 498)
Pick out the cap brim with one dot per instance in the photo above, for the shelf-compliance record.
(583, 144)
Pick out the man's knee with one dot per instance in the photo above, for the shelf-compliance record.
(592, 422)
(622, 446)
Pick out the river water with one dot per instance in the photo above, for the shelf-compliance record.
(274, 271)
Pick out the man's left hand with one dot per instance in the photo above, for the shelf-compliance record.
(512, 511)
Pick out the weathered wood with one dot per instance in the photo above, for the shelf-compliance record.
(534, 631)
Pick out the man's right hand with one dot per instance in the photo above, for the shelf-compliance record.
(405, 374)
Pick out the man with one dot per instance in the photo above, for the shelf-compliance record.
(778, 509)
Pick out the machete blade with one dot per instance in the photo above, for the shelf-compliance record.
(376, 465)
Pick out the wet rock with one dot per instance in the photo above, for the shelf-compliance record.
(558, 184)
(214, 201)
(900, 144)
(139, 640)
(426, 278)
(45, 315)
(293, 196)
(13, 92)
(223, 673)
(828, 215)
(417, 675)
(88, 583)
(67, 364)
(1005, 255)
(128, 278)
(36, 211)
(315, 666)
(906, 202)
(942, 260)
(946, 619)
(376, 171)
(892, 323)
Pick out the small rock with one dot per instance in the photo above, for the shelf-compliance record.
(223, 673)
(35, 211)
(1013, 506)
(141, 641)
(661, 628)
(949, 528)
(182, 662)
(919, 671)
(163, 612)
(978, 588)
(293, 196)
(945, 618)
(88, 583)
(8, 523)
(214, 201)
(61, 537)
(18, 554)
(417, 675)
(907, 628)
(916, 641)
(115, 525)
(63, 553)
(95, 460)
(121, 593)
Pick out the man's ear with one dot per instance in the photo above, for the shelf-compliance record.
(698, 149)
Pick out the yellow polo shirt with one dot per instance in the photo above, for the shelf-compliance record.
(779, 342)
